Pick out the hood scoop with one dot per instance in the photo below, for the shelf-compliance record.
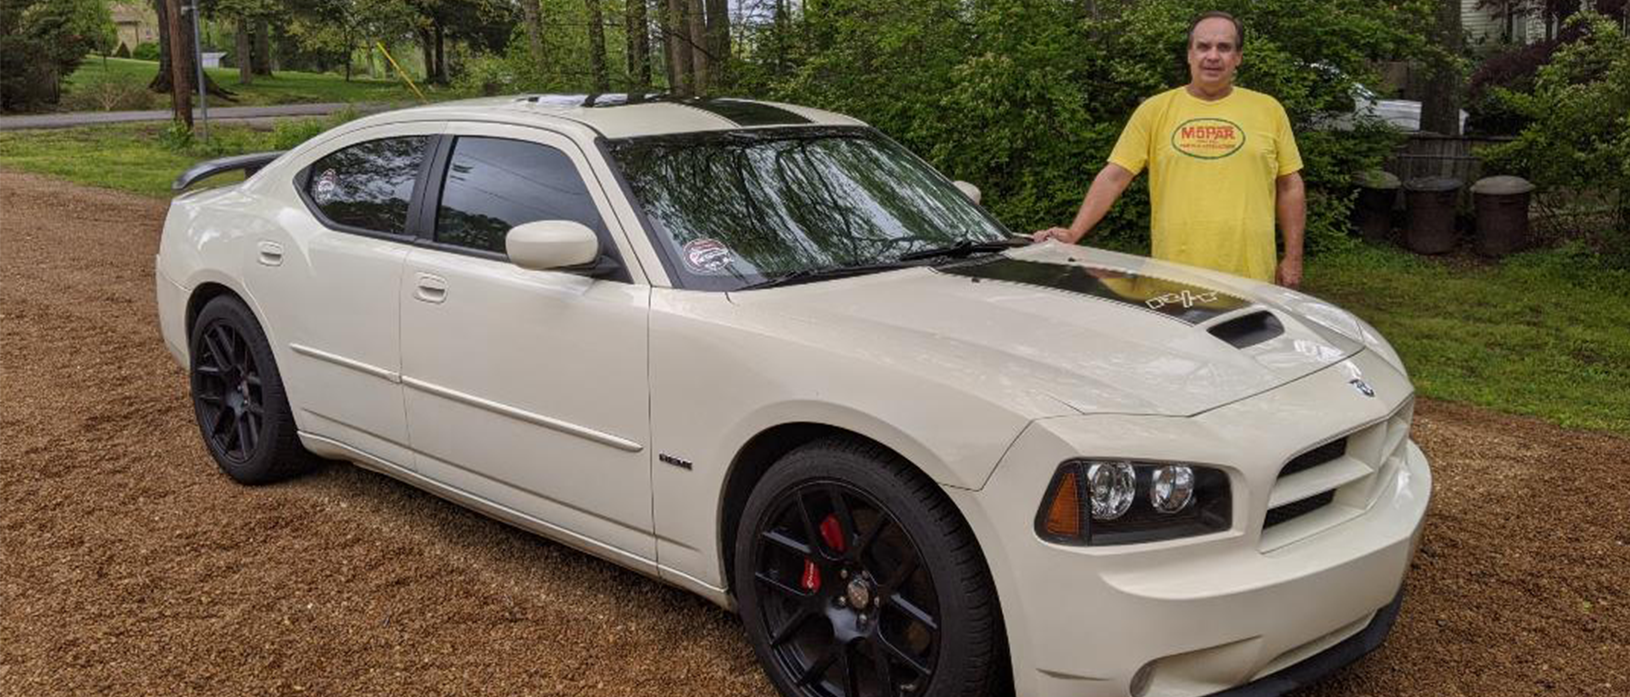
(1183, 302)
(1248, 329)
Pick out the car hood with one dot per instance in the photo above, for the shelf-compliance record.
(1059, 329)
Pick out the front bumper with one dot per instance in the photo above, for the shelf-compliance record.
(1316, 667)
(1208, 614)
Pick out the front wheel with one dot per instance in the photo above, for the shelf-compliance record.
(856, 577)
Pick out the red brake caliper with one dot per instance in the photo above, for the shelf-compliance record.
(832, 535)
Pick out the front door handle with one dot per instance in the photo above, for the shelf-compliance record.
(271, 253)
(430, 288)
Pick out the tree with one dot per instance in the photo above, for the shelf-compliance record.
(638, 31)
(597, 46)
(533, 15)
(676, 40)
(718, 39)
(1440, 107)
(697, 22)
(180, 91)
(186, 72)
(41, 43)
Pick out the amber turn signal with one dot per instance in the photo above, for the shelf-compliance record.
(1064, 513)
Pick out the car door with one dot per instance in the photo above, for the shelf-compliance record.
(327, 275)
(527, 388)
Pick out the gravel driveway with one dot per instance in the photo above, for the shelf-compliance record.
(129, 565)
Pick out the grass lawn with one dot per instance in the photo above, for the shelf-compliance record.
(1545, 333)
(286, 87)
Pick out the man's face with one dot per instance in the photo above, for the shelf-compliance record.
(1213, 53)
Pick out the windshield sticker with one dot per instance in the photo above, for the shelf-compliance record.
(707, 255)
(327, 184)
(1183, 302)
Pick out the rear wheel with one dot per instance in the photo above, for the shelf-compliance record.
(856, 578)
(238, 398)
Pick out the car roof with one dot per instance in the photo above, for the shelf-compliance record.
(630, 115)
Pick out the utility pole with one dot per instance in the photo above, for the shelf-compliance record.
(198, 60)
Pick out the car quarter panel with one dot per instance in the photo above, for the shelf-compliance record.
(1106, 611)
(721, 374)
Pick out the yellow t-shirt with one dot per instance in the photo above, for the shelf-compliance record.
(1212, 167)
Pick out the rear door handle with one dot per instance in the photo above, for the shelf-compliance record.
(271, 254)
(430, 288)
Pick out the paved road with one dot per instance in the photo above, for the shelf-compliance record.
(231, 113)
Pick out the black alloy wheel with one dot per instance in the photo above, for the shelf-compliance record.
(238, 398)
(847, 586)
(229, 393)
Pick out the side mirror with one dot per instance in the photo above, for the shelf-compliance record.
(551, 244)
(969, 190)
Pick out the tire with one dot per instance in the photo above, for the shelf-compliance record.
(238, 399)
(833, 601)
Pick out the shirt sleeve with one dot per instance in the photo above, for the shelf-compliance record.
(1132, 149)
(1290, 158)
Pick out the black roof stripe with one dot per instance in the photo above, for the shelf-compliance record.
(740, 112)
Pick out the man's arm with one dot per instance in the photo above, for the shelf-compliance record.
(1105, 189)
(1291, 205)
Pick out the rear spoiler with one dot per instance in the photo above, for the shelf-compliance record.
(248, 163)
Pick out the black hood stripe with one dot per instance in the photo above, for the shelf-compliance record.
(1183, 302)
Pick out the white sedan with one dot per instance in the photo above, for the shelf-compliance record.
(764, 353)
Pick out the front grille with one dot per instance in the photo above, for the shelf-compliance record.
(1297, 509)
(1315, 457)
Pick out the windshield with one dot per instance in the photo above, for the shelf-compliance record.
(734, 208)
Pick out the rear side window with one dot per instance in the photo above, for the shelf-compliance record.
(494, 184)
(368, 185)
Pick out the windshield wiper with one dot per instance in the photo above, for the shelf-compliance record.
(821, 273)
(965, 248)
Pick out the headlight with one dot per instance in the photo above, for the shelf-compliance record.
(1117, 502)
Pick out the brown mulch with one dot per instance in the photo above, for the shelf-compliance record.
(129, 565)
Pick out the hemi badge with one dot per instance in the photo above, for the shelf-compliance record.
(675, 461)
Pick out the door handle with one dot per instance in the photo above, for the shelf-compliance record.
(271, 254)
(430, 288)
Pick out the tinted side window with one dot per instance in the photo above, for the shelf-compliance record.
(494, 184)
(368, 185)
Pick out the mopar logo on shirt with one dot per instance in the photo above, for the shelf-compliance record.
(1208, 138)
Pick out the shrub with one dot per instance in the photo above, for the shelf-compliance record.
(43, 42)
(1577, 141)
(145, 51)
(109, 93)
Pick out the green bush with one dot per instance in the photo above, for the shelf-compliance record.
(145, 51)
(43, 42)
(1577, 141)
(109, 92)
(1026, 99)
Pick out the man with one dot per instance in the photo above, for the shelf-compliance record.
(1222, 166)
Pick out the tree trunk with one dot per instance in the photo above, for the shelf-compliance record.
(263, 48)
(677, 35)
(1440, 106)
(638, 32)
(698, 47)
(597, 46)
(164, 81)
(241, 52)
(534, 29)
(427, 44)
(441, 54)
(180, 86)
(718, 40)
